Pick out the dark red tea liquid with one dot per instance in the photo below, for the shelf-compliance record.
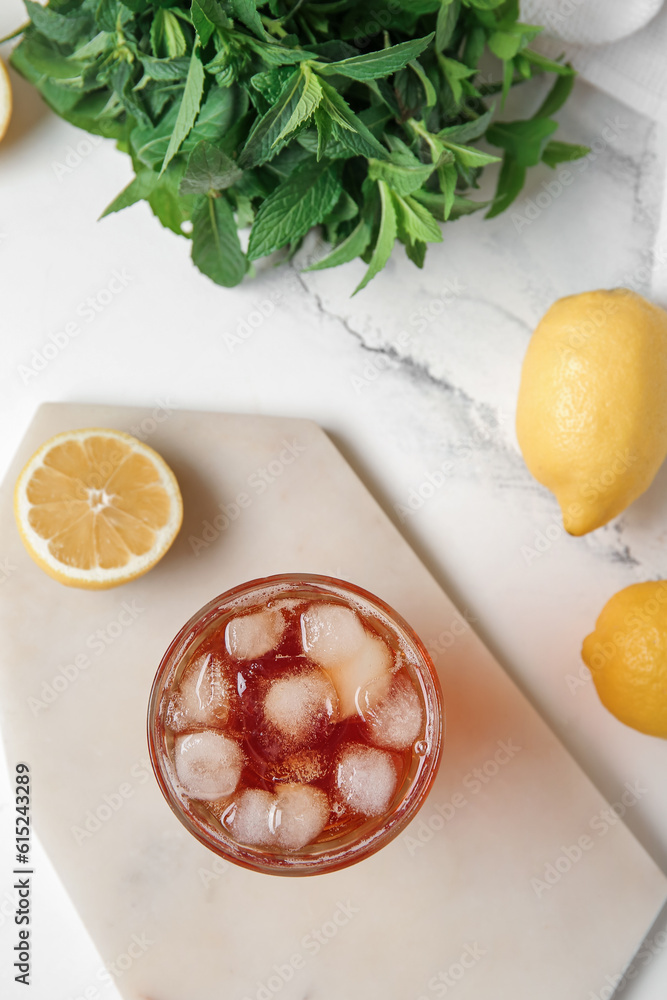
(294, 725)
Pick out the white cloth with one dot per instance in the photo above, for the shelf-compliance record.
(617, 45)
(590, 22)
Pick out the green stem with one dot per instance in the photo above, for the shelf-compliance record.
(307, 29)
(290, 15)
(423, 133)
(274, 27)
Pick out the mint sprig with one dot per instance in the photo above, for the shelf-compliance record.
(370, 118)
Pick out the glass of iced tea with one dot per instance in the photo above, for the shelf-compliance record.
(295, 724)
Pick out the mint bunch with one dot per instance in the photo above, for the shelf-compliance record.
(363, 116)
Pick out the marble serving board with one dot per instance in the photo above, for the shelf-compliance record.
(515, 881)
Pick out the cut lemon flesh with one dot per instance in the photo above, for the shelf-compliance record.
(96, 508)
(5, 100)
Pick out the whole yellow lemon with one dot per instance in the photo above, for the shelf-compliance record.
(592, 409)
(627, 656)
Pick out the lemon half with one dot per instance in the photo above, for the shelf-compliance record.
(5, 100)
(97, 508)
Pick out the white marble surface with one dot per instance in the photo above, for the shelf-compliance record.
(415, 375)
(513, 853)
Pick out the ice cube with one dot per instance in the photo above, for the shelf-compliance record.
(203, 696)
(396, 721)
(366, 778)
(253, 817)
(303, 766)
(288, 603)
(250, 636)
(302, 706)
(303, 812)
(363, 679)
(358, 662)
(331, 633)
(208, 764)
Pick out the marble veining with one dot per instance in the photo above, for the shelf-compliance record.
(416, 375)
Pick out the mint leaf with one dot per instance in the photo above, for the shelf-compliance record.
(141, 187)
(298, 204)
(562, 152)
(223, 109)
(88, 112)
(201, 23)
(468, 156)
(262, 143)
(455, 72)
(268, 114)
(448, 177)
(384, 244)
(150, 143)
(457, 208)
(309, 100)
(447, 17)
(324, 125)
(416, 252)
(547, 65)
(556, 97)
(207, 15)
(510, 181)
(352, 247)
(415, 223)
(504, 44)
(216, 250)
(344, 210)
(465, 206)
(166, 204)
(523, 140)
(209, 169)
(167, 38)
(54, 26)
(347, 127)
(270, 83)
(97, 45)
(165, 69)
(429, 89)
(485, 4)
(45, 56)
(468, 130)
(275, 54)
(246, 12)
(404, 180)
(189, 108)
(375, 65)
(215, 12)
(107, 14)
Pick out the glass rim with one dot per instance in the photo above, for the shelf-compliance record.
(257, 859)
